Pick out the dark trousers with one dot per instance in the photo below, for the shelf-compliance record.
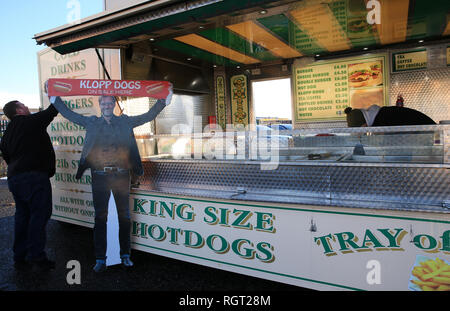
(102, 185)
(32, 193)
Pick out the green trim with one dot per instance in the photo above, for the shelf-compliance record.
(295, 209)
(424, 21)
(221, 113)
(344, 17)
(319, 119)
(249, 268)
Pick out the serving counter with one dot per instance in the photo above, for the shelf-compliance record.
(400, 168)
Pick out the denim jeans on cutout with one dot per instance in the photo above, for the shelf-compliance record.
(32, 193)
(102, 185)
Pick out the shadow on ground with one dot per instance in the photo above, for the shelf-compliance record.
(151, 272)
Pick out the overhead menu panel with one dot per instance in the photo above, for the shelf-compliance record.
(254, 33)
(215, 48)
(321, 25)
(318, 27)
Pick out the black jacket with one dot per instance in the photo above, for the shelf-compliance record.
(26, 145)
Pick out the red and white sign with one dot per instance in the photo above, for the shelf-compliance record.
(99, 87)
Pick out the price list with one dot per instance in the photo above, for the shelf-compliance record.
(340, 88)
(322, 90)
(339, 9)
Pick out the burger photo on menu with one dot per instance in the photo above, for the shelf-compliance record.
(365, 82)
(365, 74)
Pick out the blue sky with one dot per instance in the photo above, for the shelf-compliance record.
(19, 22)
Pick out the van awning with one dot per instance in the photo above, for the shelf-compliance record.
(230, 32)
(140, 22)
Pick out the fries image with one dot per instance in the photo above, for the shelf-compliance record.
(432, 275)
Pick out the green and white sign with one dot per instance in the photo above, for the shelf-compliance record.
(323, 89)
(315, 247)
(318, 247)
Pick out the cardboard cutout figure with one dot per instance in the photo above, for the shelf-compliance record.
(110, 150)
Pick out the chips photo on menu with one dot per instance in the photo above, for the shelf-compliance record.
(363, 99)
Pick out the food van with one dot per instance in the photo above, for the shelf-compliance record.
(322, 206)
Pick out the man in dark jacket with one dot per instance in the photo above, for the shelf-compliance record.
(111, 152)
(386, 116)
(28, 151)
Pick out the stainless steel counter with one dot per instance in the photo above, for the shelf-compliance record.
(386, 186)
(397, 171)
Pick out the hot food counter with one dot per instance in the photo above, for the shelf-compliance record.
(352, 209)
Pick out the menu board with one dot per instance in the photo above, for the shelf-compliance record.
(409, 60)
(325, 88)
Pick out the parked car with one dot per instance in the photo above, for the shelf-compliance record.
(265, 132)
(281, 127)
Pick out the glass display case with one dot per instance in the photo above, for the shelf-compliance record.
(401, 144)
(387, 168)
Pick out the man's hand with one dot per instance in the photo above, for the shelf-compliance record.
(51, 98)
(169, 96)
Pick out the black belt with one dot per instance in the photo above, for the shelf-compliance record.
(111, 169)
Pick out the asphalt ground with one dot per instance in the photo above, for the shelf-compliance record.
(154, 273)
